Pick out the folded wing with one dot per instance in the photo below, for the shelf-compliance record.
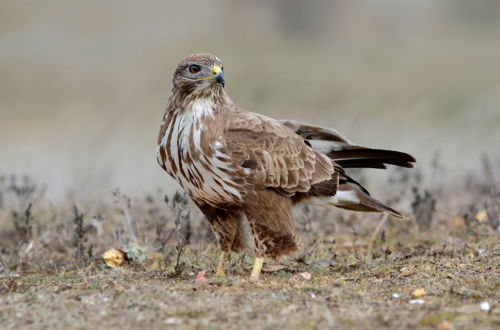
(273, 154)
(305, 162)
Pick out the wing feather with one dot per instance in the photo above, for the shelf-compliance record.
(274, 154)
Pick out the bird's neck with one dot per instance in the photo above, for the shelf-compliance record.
(186, 100)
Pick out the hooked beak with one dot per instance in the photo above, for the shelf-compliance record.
(218, 75)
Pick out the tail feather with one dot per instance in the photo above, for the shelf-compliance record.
(347, 194)
(354, 200)
(341, 190)
(356, 156)
(367, 203)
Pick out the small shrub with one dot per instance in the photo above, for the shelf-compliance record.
(23, 223)
(423, 206)
(79, 239)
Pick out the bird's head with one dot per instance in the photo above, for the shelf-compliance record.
(199, 72)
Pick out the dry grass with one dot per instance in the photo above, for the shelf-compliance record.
(82, 90)
(51, 273)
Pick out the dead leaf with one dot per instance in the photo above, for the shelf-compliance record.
(114, 257)
(419, 293)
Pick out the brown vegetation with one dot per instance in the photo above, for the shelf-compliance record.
(433, 272)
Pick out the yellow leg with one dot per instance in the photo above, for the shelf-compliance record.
(257, 267)
(221, 268)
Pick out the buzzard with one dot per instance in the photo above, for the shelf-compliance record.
(245, 171)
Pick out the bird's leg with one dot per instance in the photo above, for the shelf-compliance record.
(257, 267)
(221, 268)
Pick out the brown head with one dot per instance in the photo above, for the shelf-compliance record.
(199, 72)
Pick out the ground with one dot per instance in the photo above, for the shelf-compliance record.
(354, 270)
(352, 292)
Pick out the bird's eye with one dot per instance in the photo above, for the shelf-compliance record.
(194, 68)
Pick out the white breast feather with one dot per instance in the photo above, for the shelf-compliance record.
(209, 188)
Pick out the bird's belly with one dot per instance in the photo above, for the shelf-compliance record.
(204, 182)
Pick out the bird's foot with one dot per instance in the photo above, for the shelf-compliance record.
(221, 268)
(257, 268)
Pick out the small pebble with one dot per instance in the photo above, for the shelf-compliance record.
(395, 295)
(417, 301)
(325, 262)
(485, 306)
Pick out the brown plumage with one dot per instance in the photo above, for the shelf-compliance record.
(245, 171)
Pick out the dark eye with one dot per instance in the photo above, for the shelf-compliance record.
(194, 68)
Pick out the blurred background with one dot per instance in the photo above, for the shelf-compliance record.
(83, 84)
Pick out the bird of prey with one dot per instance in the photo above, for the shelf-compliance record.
(245, 171)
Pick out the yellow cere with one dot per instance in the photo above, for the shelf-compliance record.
(216, 69)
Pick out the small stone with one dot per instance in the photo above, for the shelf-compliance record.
(325, 262)
(419, 293)
(395, 296)
(485, 306)
(416, 302)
